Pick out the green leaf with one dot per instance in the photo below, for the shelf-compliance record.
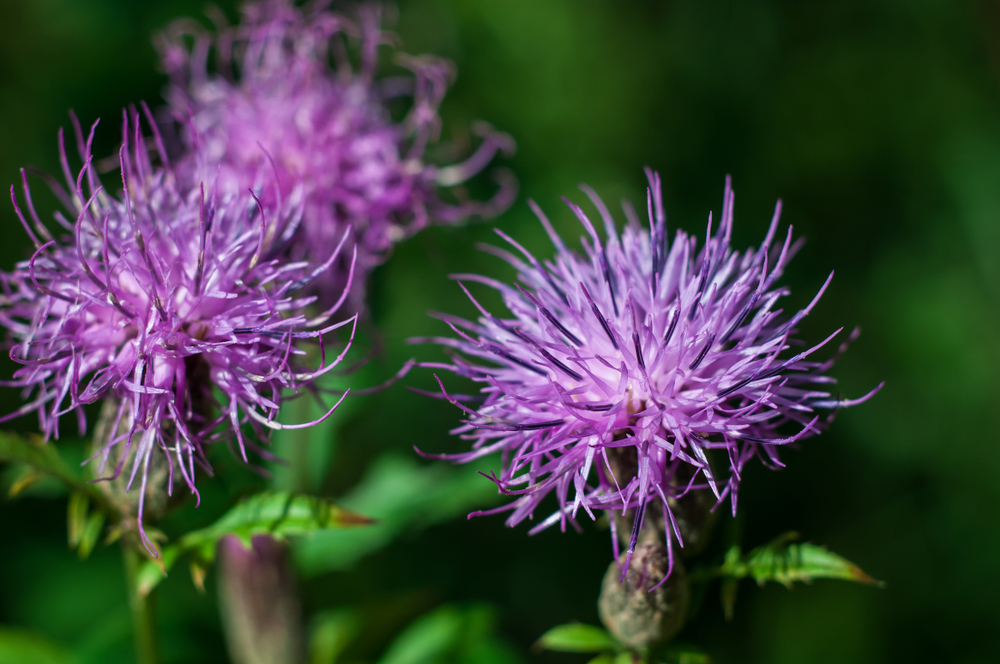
(605, 658)
(402, 495)
(785, 562)
(27, 478)
(330, 633)
(153, 570)
(427, 639)
(19, 646)
(577, 637)
(681, 654)
(44, 458)
(460, 635)
(278, 515)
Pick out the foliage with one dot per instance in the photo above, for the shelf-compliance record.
(22, 647)
(783, 561)
(39, 459)
(402, 496)
(277, 515)
(580, 638)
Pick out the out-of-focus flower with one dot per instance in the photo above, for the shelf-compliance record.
(622, 372)
(273, 102)
(168, 301)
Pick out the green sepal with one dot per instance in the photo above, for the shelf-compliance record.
(83, 526)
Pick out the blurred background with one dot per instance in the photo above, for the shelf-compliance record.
(877, 122)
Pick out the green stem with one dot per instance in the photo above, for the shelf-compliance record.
(147, 643)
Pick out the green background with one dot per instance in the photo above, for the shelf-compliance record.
(877, 122)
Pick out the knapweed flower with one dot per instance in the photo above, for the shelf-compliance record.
(167, 301)
(672, 359)
(273, 101)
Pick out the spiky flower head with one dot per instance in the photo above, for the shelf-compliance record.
(167, 301)
(273, 101)
(665, 360)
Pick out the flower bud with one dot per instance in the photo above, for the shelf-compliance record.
(641, 611)
(260, 606)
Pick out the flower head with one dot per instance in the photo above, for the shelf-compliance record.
(629, 375)
(326, 133)
(166, 300)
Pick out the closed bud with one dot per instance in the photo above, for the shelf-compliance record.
(260, 606)
(643, 610)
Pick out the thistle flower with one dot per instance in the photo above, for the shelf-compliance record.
(166, 300)
(660, 354)
(326, 131)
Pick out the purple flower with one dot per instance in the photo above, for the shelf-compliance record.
(273, 102)
(168, 301)
(673, 355)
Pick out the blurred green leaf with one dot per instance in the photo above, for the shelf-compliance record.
(606, 658)
(23, 647)
(401, 495)
(278, 515)
(452, 635)
(626, 657)
(91, 533)
(83, 527)
(428, 639)
(76, 517)
(680, 654)
(331, 632)
(577, 637)
(44, 458)
(27, 478)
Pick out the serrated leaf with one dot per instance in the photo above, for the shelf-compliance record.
(785, 562)
(278, 515)
(577, 637)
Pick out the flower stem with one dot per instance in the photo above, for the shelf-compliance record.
(144, 623)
